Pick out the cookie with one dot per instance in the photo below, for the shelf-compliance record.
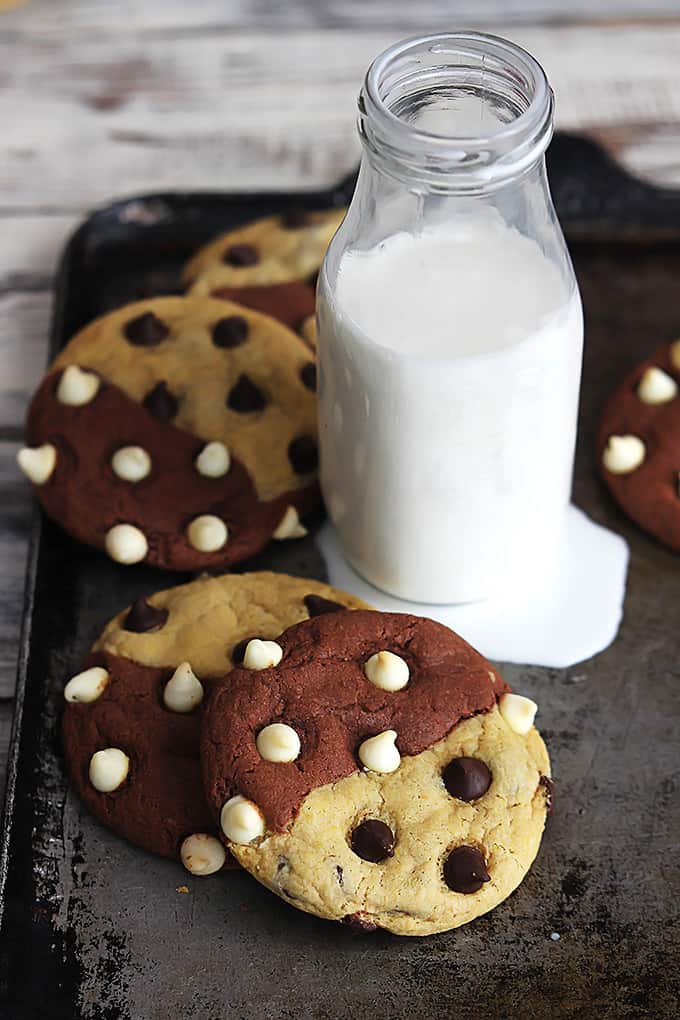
(265, 253)
(411, 792)
(638, 445)
(291, 303)
(141, 691)
(270, 265)
(180, 431)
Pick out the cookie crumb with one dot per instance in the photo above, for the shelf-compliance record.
(185, 889)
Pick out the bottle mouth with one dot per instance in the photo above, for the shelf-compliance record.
(456, 110)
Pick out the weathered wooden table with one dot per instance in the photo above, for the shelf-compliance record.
(99, 100)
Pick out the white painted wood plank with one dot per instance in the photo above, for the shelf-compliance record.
(163, 16)
(16, 502)
(24, 325)
(84, 121)
(30, 247)
(651, 151)
(152, 16)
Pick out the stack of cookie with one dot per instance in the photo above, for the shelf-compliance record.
(369, 768)
(132, 714)
(366, 767)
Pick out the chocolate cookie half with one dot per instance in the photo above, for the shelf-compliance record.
(376, 770)
(132, 713)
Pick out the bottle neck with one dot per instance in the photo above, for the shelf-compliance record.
(463, 113)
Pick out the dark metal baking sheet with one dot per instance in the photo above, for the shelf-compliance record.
(92, 927)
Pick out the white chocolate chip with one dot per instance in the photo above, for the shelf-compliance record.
(202, 854)
(88, 685)
(278, 742)
(37, 462)
(518, 712)
(77, 386)
(241, 821)
(379, 753)
(623, 454)
(183, 691)
(207, 533)
(126, 544)
(289, 526)
(213, 461)
(656, 387)
(387, 671)
(262, 654)
(109, 769)
(131, 463)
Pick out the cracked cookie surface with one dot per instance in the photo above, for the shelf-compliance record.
(312, 865)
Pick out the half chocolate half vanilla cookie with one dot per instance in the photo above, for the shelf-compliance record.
(269, 265)
(178, 431)
(132, 713)
(375, 769)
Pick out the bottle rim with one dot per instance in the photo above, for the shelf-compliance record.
(405, 149)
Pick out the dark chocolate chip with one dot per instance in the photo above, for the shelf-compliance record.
(146, 330)
(317, 606)
(231, 331)
(465, 870)
(144, 617)
(467, 778)
(161, 403)
(239, 649)
(245, 396)
(293, 219)
(241, 255)
(308, 375)
(303, 455)
(549, 786)
(357, 923)
(373, 841)
(340, 873)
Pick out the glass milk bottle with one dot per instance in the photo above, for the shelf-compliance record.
(450, 328)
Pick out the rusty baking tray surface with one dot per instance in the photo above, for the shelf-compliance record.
(92, 927)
